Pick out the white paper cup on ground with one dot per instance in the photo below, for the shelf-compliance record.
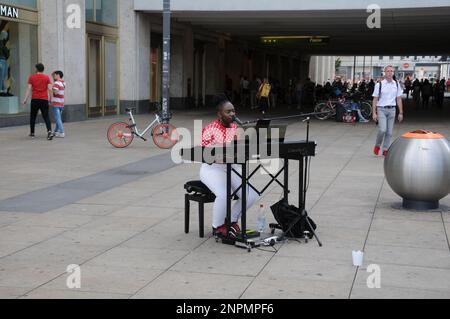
(358, 257)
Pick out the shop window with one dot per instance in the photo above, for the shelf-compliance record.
(106, 11)
(18, 55)
(90, 10)
(102, 11)
(22, 3)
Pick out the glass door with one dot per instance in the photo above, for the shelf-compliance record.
(103, 85)
(155, 74)
(95, 107)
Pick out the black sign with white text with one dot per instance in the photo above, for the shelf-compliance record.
(9, 12)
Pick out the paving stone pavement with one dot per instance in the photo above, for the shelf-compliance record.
(119, 215)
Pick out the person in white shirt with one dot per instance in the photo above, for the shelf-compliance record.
(386, 97)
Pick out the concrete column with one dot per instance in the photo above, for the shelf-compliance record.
(318, 70)
(212, 76)
(327, 69)
(176, 69)
(313, 68)
(134, 58)
(264, 68)
(128, 55)
(279, 71)
(62, 48)
(50, 35)
(305, 67)
(221, 64)
(292, 74)
(258, 64)
(143, 58)
(333, 67)
(188, 65)
(324, 69)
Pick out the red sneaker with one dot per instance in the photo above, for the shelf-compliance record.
(220, 231)
(385, 153)
(376, 150)
(235, 229)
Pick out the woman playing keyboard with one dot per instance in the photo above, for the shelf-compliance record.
(221, 131)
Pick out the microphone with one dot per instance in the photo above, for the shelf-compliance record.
(237, 121)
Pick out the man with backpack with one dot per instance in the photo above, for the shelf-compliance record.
(386, 97)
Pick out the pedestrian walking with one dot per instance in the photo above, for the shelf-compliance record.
(386, 97)
(39, 85)
(59, 87)
(263, 96)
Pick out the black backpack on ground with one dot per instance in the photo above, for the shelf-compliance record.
(286, 215)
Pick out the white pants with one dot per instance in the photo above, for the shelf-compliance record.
(215, 177)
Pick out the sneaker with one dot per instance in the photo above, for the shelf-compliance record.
(376, 150)
(220, 231)
(49, 136)
(60, 135)
(32, 136)
(235, 229)
(385, 153)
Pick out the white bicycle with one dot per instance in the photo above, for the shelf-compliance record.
(121, 134)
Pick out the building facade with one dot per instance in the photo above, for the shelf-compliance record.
(420, 67)
(111, 51)
(111, 55)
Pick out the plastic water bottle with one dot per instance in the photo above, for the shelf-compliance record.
(261, 220)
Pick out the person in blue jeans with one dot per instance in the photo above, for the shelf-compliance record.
(355, 107)
(386, 97)
(58, 89)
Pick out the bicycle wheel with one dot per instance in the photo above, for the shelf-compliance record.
(120, 135)
(322, 108)
(165, 136)
(366, 110)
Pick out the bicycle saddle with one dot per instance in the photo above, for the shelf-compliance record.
(133, 109)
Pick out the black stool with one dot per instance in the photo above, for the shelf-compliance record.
(200, 193)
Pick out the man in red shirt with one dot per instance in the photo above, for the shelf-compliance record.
(40, 85)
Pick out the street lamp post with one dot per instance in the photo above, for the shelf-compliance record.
(166, 62)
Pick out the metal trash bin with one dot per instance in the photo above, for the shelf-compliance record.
(417, 168)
